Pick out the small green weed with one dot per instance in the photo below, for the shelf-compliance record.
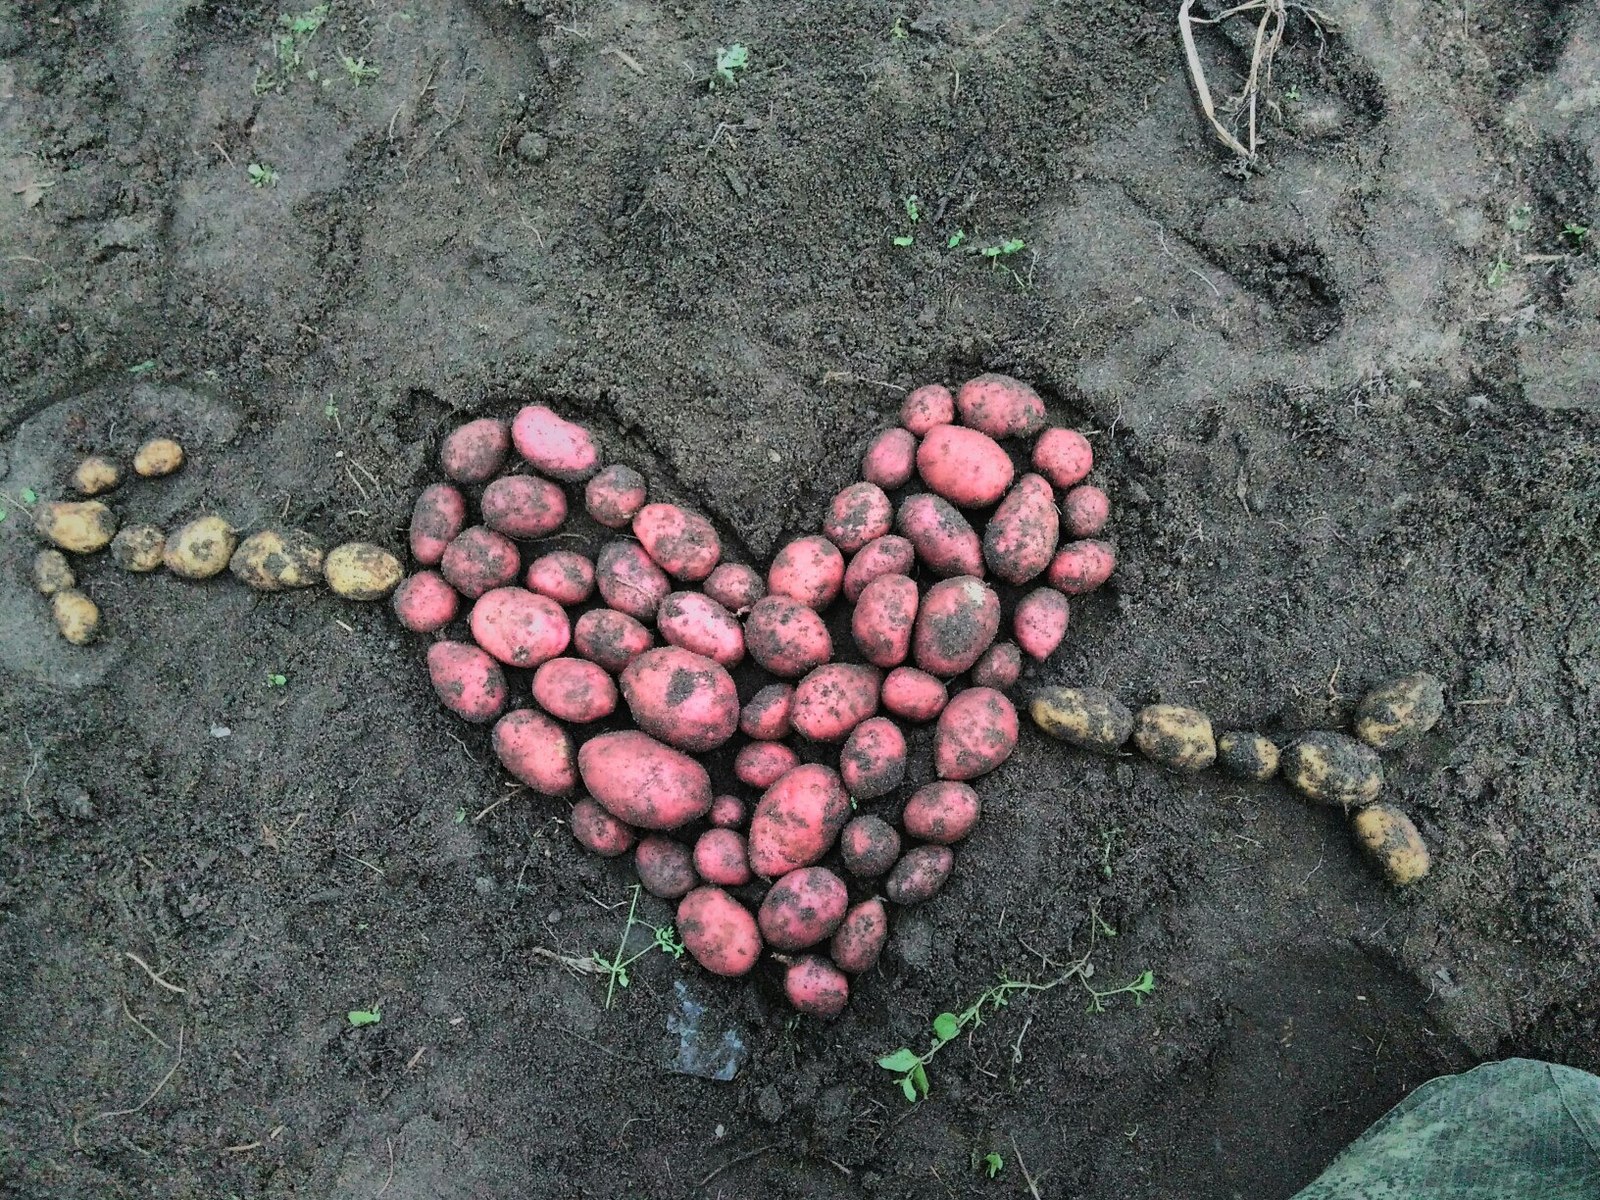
(1138, 989)
(148, 364)
(364, 1016)
(898, 29)
(331, 409)
(1004, 249)
(262, 175)
(616, 968)
(956, 239)
(993, 1164)
(277, 681)
(461, 813)
(730, 59)
(1520, 219)
(1499, 273)
(913, 215)
(1578, 233)
(29, 496)
(1292, 95)
(288, 46)
(359, 70)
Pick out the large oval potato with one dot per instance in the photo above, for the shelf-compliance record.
(977, 731)
(857, 515)
(999, 668)
(468, 681)
(966, 467)
(1020, 539)
(610, 638)
(833, 699)
(566, 576)
(809, 570)
(816, 987)
(860, 938)
(883, 619)
(735, 586)
(437, 519)
(765, 716)
(868, 846)
(1063, 456)
(1000, 406)
(1331, 768)
(873, 761)
(1389, 836)
(538, 751)
(683, 698)
(642, 782)
(519, 628)
(697, 622)
(79, 526)
(360, 571)
(957, 622)
(1080, 567)
(556, 447)
(942, 812)
(139, 548)
(718, 932)
(1040, 622)
(275, 560)
(523, 506)
(615, 496)
(891, 459)
(796, 820)
(1090, 718)
(786, 637)
(480, 560)
(914, 695)
(762, 764)
(720, 858)
(201, 549)
(629, 580)
(888, 555)
(927, 406)
(475, 451)
(920, 875)
(943, 539)
(598, 832)
(1398, 712)
(802, 909)
(1175, 736)
(574, 689)
(665, 867)
(681, 542)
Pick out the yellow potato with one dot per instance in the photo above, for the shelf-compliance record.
(361, 571)
(95, 475)
(1247, 755)
(52, 573)
(1400, 711)
(139, 548)
(81, 526)
(274, 560)
(1087, 717)
(1333, 769)
(158, 456)
(1388, 835)
(200, 549)
(1175, 736)
(77, 616)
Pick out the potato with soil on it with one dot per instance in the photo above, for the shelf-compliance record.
(977, 731)
(857, 515)
(802, 909)
(642, 782)
(480, 560)
(1246, 755)
(956, 623)
(437, 519)
(1175, 736)
(523, 507)
(809, 570)
(883, 620)
(615, 496)
(720, 858)
(860, 938)
(735, 586)
(361, 571)
(277, 560)
(1388, 835)
(1063, 456)
(1000, 406)
(762, 764)
(1084, 511)
(816, 987)
(765, 715)
(1081, 567)
(468, 681)
(630, 581)
(665, 867)
(718, 932)
(574, 689)
(888, 555)
(727, 812)
(157, 457)
(968, 468)
(833, 699)
(929, 405)
(868, 846)
(610, 638)
(77, 526)
(797, 820)
(1020, 539)
(554, 446)
(1040, 622)
(139, 548)
(943, 812)
(476, 451)
(598, 832)
(999, 668)
(696, 622)
(891, 459)
(943, 539)
(1331, 768)
(519, 628)
(873, 761)
(914, 695)
(76, 616)
(538, 751)
(425, 603)
(95, 475)
(680, 541)
(785, 637)
(685, 699)
(1398, 712)
(919, 875)
(566, 576)
(52, 573)
(201, 549)
(1090, 718)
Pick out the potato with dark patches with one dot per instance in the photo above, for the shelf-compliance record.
(95, 475)
(868, 846)
(786, 637)
(860, 938)
(1084, 511)
(554, 446)
(1020, 539)
(475, 451)
(642, 782)
(697, 622)
(425, 603)
(1000, 406)
(139, 548)
(1090, 718)
(480, 560)
(816, 987)
(598, 832)
(52, 573)
(833, 699)
(719, 932)
(919, 875)
(1390, 837)
(967, 468)
(277, 560)
(977, 731)
(929, 405)
(437, 519)
(999, 668)
(76, 616)
(1081, 567)
(615, 496)
(1398, 712)
(873, 761)
(157, 457)
(796, 820)
(201, 549)
(467, 680)
(857, 515)
(809, 570)
(766, 716)
(519, 628)
(574, 689)
(957, 621)
(566, 576)
(359, 571)
(762, 764)
(727, 812)
(888, 555)
(914, 695)
(1331, 768)
(523, 507)
(720, 858)
(944, 541)
(538, 751)
(735, 586)
(802, 909)
(79, 526)
(1247, 755)
(1063, 456)
(610, 638)
(883, 620)
(1175, 736)
(943, 812)
(681, 542)
(1040, 622)
(891, 459)
(683, 698)
(630, 581)
(665, 867)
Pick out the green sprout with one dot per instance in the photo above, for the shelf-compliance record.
(1521, 219)
(29, 496)
(1292, 95)
(331, 409)
(276, 681)
(993, 1164)
(148, 364)
(730, 59)
(461, 813)
(295, 31)
(358, 69)
(1578, 233)
(261, 175)
(665, 939)
(898, 29)
(1138, 989)
(1499, 273)
(956, 239)
(364, 1016)
(913, 214)
(1004, 250)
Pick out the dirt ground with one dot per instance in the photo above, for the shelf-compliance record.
(1346, 407)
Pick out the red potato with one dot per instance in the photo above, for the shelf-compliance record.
(538, 751)
(598, 832)
(883, 619)
(610, 638)
(642, 782)
(914, 695)
(927, 406)
(475, 451)
(566, 576)
(762, 764)
(943, 539)
(575, 690)
(1040, 622)
(976, 733)
(766, 716)
(735, 586)
(1085, 510)
(833, 699)
(520, 628)
(480, 560)
(719, 858)
(697, 622)
(999, 668)
(629, 580)
(556, 447)
(665, 867)
(802, 909)
(615, 496)
(869, 846)
(681, 697)
(786, 637)
(919, 875)
(957, 622)
(873, 761)
(858, 514)
(816, 987)
(1081, 567)
(523, 506)
(968, 468)
(891, 459)
(1000, 406)
(796, 820)
(942, 812)
(718, 932)
(1063, 456)
(437, 518)
(860, 938)
(809, 570)
(727, 812)
(888, 555)
(469, 682)
(1021, 537)
(425, 602)
(682, 543)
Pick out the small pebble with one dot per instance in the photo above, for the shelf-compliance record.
(1247, 755)
(52, 573)
(139, 548)
(77, 616)
(1175, 736)
(1332, 768)
(1398, 712)
(95, 475)
(81, 526)
(157, 457)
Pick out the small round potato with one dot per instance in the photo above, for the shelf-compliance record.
(869, 846)
(858, 514)
(1247, 755)
(425, 603)
(538, 751)
(275, 560)
(556, 447)
(610, 638)
(665, 867)
(52, 573)
(999, 668)
(696, 622)
(891, 459)
(888, 555)
(1020, 539)
(680, 541)
(437, 519)
(929, 405)
(718, 932)
(816, 987)
(202, 548)
(630, 581)
(977, 732)
(598, 832)
(914, 695)
(883, 620)
(139, 548)
(920, 874)
(575, 690)
(1040, 622)
(78, 526)
(1389, 836)
(833, 699)
(727, 812)
(720, 858)
(643, 782)
(1398, 712)
(474, 452)
(523, 506)
(735, 586)
(956, 622)
(1086, 717)
(944, 540)
(809, 570)
(1063, 456)
(77, 616)
(942, 812)
(478, 560)
(797, 820)
(873, 761)
(685, 699)
(1175, 736)
(1080, 567)
(1084, 511)
(802, 909)
(157, 457)
(566, 576)
(1331, 768)
(765, 715)
(468, 682)
(860, 937)
(615, 496)
(1000, 406)
(361, 571)
(519, 627)
(762, 764)
(95, 475)
(786, 637)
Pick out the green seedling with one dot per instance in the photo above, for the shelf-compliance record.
(913, 214)
(1521, 219)
(1004, 250)
(331, 409)
(295, 31)
(261, 175)
(616, 968)
(1578, 233)
(898, 29)
(993, 1164)
(956, 239)
(363, 1016)
(730, 59)
(1108, 845)
(1499, 273)
(359, 70)
(274, 681)
(461, 814)
(1138, 989)
(29, 496)
(148, 364)
(1292, 95)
